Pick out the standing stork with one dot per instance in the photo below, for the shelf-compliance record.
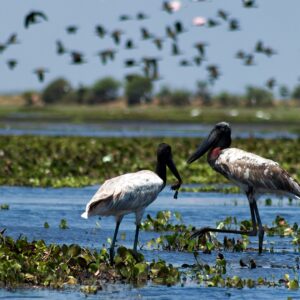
(252, 173)
(132, 193)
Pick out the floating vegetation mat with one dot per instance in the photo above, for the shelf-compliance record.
(79, 161)
(33, 264)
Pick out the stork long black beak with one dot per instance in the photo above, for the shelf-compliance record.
(171, 165)
(207, 144)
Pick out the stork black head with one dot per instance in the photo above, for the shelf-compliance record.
(164, 158)
(220, 137)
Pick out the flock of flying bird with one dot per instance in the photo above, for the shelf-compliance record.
(149, 64)
(133, 192)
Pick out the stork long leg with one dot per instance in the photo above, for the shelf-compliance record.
(252, 232)
(136, 238)
(112, 247)
(261, 230)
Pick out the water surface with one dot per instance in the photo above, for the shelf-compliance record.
(31, 207)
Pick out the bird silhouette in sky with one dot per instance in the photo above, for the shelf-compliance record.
(34, 17)
(141, 16)
(213, 73)
(223, 14)
(77, 58)
(212, 23)
(249, 3)
(72, 29)
(116, 36)
(145, 33)
(11, 63)
(249, 60)
(158, 42)
(12, 39)
(270, 83)
(60, 48)
(129, 44)
(200, 46)
(124, 18)
(40, 73)
(233, 25)
(100, 31)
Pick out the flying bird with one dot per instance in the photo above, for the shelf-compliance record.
(175, 49)
(100, 31)
(179, 27)
(77, 58)
(130, 63)
(185, 63)
(132, 193)
(124, 18)
(259, 47)
(116, 36)
(2, 47)
(40, 73)
(240, 54)
(11, 63)
(171, 33)
(129, 44)
(34, 17)
(107, 54)
(212, 23)
(145, 33)
(254, 174)
(171, 6)
(270, 83)
(223, 14)
(199, 21)
(249, 3)
(60, 48)
(198, 60)
(12, 40)
(213, 72)
(71, 29)
(249, 60)
(158, 42)
(233, 25)
(200, 46)
(141, 16)
(269, 51)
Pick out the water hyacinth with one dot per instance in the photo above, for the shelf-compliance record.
(80, 161)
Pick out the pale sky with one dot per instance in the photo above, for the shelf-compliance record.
(276, 22)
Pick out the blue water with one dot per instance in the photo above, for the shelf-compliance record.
(138, 129)
(31, 207)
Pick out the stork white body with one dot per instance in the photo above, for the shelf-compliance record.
(132, 193)
(128, 193)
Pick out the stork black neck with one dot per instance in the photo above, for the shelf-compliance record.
(161, 170)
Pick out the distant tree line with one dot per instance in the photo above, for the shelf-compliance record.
(138, 89)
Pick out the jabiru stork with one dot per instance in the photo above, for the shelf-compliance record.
(132, 193)
(252, 173)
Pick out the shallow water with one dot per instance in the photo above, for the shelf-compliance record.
(138, 129)
(31, 207)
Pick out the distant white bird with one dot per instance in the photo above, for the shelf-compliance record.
(132, 193)
(252, 173)
(175, 5)
(199, 21)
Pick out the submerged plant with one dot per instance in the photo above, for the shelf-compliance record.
(63, 224)
(4, 206)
